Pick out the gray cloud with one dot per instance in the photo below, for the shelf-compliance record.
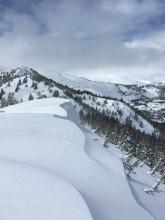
(83, 37)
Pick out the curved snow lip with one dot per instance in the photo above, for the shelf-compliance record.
(39, 106)
(33, 193)
(113, 180)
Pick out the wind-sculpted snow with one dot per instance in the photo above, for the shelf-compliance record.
(58, 147)
(47, 106)
(33, 147)
(30, 193)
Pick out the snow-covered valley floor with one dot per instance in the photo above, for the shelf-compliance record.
(51, 167)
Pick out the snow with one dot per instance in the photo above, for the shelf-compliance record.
(31, 193)
(125, 92)
(156, 109)
(25, 89)
(135, 95)
(47, 105)
(52, 168)
(154, 203)
(100, 88)
(121, 112)
(29, 186)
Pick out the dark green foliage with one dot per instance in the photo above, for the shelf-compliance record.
(55, 93)
(144, 147)
(42, 96)
(17, 88)
(19, 82)
(10, 100)
(24, 80)
(4, 103)
(1, 94)
(34, 85)
(31, 97)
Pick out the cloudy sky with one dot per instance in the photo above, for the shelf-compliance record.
(110, 40)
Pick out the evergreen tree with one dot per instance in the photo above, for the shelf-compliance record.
(24, 80)
(17, 88)
(4, 103)
(11, 100)
(55, 93)
(31, 97)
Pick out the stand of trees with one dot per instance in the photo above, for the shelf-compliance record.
(10, 100)
(145, 148)
(142, 146)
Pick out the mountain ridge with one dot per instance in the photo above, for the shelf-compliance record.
(24, 81)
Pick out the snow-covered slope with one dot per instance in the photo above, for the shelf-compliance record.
(51, 169)
(31, 193)
(122, 112)
(23, 82)
(29, 186)
(118, 91)
(146, 100)
(47, 105)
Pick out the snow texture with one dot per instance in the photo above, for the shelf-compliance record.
(52, 169)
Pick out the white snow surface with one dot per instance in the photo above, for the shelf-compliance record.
(121, 112)
(50, 169)
(107, 89)
(28, 193)
(25, 89)
(47, 105)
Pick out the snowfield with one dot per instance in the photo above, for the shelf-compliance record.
(23, 78)
(52, 168)
(47, 105)
(30, 193)
(107, 89)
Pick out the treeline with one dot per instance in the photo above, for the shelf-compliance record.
(72, 92)
(145, 147)
(140, 145)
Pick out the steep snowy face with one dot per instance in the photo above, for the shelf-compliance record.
(120, 111)
(148, 100)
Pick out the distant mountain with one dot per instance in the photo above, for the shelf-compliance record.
(118, 91)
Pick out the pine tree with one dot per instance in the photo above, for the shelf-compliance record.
(25, 80)
(17, 88)
(11, 100)
(105, 101)
(19, 82)
(55, 93)
(4, 103)
(31, 97)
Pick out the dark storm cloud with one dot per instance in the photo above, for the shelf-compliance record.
(84, 37)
